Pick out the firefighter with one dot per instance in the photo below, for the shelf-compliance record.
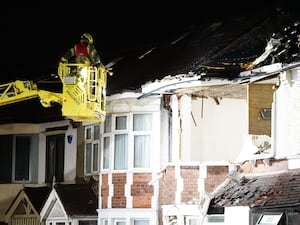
(83, 52)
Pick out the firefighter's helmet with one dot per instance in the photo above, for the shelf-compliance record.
(88, 37)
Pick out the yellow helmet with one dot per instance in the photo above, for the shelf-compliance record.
(88, 37)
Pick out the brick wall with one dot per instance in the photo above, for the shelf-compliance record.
(263, 166)
(141, 191)
(104, 191)
(216, 175)
(190, 176)
(118, 198)
(167, 187)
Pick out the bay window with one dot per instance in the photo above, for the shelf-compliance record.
(127, 141)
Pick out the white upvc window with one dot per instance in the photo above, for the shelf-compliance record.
(140, 222)
(142, 128)
(92, 146)
(104, 222)
(119, 222)
(127, 141)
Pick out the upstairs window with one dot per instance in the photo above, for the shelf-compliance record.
(127, 141)
(92, 146)
(18, 158)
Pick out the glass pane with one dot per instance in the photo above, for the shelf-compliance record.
(293, 218)
(88, 157)
(95, 157)
(88, 133)
(121, 142)
(121, 122)
(142, 151)
(96, 132)
(6, 159)
(107, 124)
(106, 150)
(142, 122)
(87, 222)
(22, 157)
(120, 223)
(141, 222)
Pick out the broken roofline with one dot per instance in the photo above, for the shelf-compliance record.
(170, 83)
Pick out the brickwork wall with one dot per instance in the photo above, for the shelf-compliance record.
(260, 97)
(216, 175)
(190, 175)
(167, 187)
(262, 166)
(104, 191)
(119, 199)
(141, 191)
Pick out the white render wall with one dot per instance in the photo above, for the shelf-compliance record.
(217, 131)
(286, 116)
(237, 215)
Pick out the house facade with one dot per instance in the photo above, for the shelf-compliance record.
(158, 159)
(189, 156)
(166, 152)
(34, 155)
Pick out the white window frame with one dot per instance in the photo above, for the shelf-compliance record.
(191, 220)
(145, 133)
(94, 142)
(139, 219)
(104, 222)
(130, 141)
(118, 221)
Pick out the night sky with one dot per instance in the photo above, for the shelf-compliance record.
(33, 39)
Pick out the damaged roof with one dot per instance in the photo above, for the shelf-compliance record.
(280, 190)
(218, 49)
(221, 48)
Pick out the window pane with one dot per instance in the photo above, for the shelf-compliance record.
(95, 157)
(87, 222)
(106, 150)
(121, 122)
(96, 132)
(141, 222)
(88, 134)
(120, 223)
(88, 157)
(121, 142)
(6, 158)
(107, 124)
(293, 218)
(142, 122)
(142, 151)
(22, 158)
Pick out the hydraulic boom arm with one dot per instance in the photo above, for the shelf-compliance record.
(83, 97)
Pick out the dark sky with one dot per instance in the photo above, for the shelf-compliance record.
(33, 39)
